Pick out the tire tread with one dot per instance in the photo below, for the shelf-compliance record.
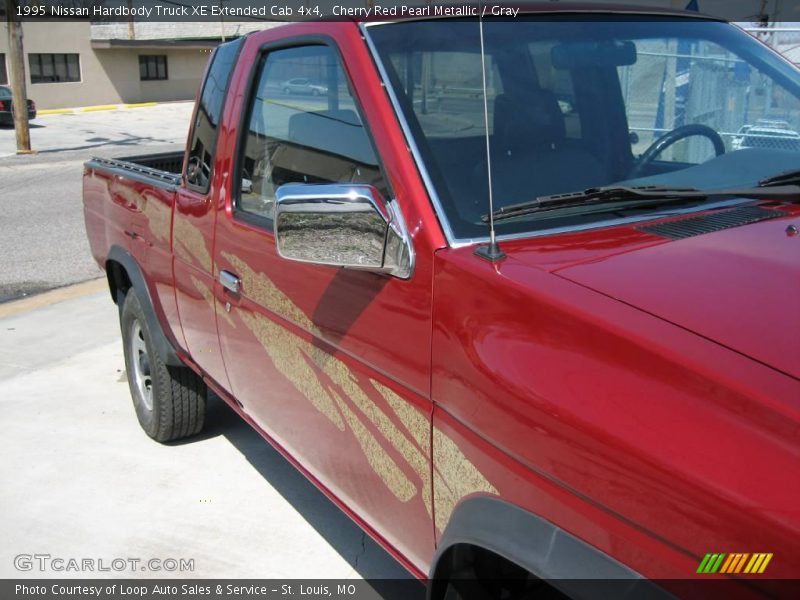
(179, 394)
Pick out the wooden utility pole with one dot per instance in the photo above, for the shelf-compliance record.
(221, 22)
(17, 79)
(131, 28)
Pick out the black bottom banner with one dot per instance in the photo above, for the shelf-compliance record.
(391, 589)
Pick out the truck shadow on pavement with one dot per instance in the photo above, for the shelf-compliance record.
(366, 557)
(124, 142)
(3, 126)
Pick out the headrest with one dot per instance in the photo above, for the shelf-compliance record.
(527, 121)
(334, 131)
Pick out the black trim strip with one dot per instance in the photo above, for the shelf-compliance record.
(130, 170)
(162, 345)
(540, 547)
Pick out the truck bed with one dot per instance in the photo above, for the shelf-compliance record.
(162, 169)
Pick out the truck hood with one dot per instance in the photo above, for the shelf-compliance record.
(739, 287)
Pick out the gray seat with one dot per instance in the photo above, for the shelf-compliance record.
(337, 132)
(531, 154)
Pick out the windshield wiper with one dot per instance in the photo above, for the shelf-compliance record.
(648, 193)
(785, 178)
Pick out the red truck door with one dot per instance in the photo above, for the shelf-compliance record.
(193, 221)
(333, 364)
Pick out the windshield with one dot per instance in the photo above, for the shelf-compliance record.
(581, 104)
(5, 92)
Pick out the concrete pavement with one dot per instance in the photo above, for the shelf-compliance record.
(92, 132)
(81, 480)
(42, 235)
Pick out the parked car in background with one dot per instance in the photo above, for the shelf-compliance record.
(771, 137)
(774, 123)
(736, 140)
(6, 112)
(301, 85)
(766, 133)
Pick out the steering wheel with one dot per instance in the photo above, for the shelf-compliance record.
(669, 138)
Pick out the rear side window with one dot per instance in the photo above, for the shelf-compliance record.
(212, 100)
(303, 127)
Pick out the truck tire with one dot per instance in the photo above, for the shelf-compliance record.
(170, 402)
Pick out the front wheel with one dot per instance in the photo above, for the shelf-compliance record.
(170, 401)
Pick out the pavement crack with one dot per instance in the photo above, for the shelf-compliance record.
(361, 552)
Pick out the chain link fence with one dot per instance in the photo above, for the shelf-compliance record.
(675, 83)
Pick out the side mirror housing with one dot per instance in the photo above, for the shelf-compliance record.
(342, 225)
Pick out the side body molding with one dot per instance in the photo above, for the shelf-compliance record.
(543, 549)
(164, 347)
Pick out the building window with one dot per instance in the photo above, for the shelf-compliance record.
(54, 68)
(152, 67)
(3, 72)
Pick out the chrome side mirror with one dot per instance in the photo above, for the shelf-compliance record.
(342, 225)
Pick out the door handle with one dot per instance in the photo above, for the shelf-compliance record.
(230, 282)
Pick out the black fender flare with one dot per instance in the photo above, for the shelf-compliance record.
(545, 550)
(163, 346)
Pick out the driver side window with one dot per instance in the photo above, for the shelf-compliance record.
(304, 127)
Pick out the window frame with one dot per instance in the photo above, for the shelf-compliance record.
(39, 56)
(260, 222)
(155, 63)
(3, 69)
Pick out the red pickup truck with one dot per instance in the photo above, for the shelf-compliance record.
(611, 393)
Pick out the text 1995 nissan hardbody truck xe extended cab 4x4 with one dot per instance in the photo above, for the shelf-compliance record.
(616, 395)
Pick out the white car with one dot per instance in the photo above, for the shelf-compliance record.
(301, 85)
(736, 140)
(776, 138)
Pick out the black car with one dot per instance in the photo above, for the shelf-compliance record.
(6, 115)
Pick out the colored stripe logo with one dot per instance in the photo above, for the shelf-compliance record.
(735, 562)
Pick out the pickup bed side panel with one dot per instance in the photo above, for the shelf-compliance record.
(133, 216)
(106, 214)
(645, 441)
(151, 248)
